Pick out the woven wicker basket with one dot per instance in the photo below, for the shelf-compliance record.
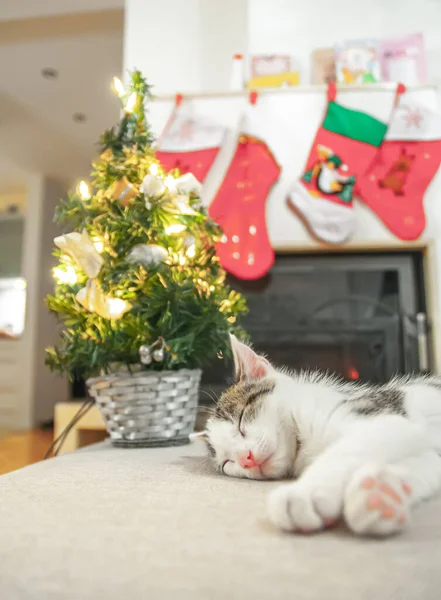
(156, 408)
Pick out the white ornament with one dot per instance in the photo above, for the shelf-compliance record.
(152, 186)
(81, 249)
(188, 184)
(147, 255)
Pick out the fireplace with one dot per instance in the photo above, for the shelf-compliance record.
(362, 316)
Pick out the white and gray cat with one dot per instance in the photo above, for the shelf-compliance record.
(367, 454)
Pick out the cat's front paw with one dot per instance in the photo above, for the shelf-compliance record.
(295, 507)
(377, 501)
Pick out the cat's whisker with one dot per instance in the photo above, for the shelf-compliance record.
(207, 409)
(211, 395)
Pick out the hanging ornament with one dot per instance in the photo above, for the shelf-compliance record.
(158, 355)
(81, 249)
(148, 255)
(145, 355)
(188, 184)
(93, 299)
(155, 351)
(123, 191)
(152, 186)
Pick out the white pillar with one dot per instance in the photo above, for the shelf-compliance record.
(40, 389)
(185, 46)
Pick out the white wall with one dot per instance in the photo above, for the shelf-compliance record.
(184, 46)
(297, 27)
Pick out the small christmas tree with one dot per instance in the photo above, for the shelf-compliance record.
(139, 268)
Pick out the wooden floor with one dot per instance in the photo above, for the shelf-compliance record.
(18, 449)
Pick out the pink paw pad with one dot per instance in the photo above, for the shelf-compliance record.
(385, 498)
(329, 522)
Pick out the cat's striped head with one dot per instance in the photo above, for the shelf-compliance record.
(247, 435)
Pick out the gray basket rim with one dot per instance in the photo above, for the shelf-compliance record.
(124, 372)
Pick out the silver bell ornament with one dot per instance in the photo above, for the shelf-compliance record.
(158, 355)
(145, 355)
(155, 351)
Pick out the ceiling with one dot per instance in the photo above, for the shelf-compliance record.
(37, 129)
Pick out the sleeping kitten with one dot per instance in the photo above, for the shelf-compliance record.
(363, 453)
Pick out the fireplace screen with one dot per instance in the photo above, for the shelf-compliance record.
(352, 315)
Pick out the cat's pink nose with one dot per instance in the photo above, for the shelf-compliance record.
(246, 460)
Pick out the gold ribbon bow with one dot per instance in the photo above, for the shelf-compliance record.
(80, 248)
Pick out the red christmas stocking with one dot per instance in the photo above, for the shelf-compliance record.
(190, 142)
(239, 205)
(343, 148)
(403, 168)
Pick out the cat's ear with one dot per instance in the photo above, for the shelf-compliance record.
(248, 364)
(198, 436)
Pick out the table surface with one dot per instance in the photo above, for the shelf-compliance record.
(108, 523)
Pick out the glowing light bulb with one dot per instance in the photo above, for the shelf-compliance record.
(84, 191)
(116, 307)
(175, 228)
(191, 252)
(67, 275)
(131, 102)
(154, 169)
(98, 244)
(224, 305)
(118, 87)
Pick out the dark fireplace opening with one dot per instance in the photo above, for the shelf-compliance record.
(361, 316)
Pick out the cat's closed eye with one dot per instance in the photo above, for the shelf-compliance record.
(224, 463)
(240, 425)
